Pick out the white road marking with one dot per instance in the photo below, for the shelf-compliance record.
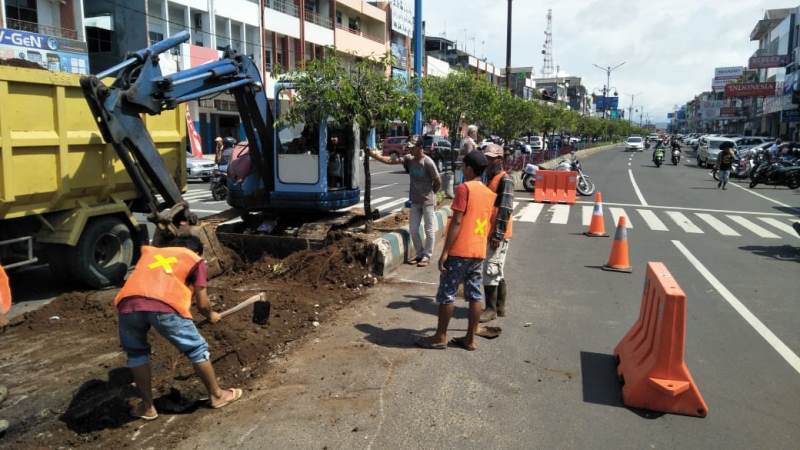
(717, 224)
(531, 212)
(560, 214)
(783, 350)
(384, 186)
(757, 229)
(361, 205)
(392, 203)
(682, 208)
(514, 205)
(586, 215)
(779, 225)
(652, 220)
(214, 202)
(384, 171)
(206, 211)
(636, 189)
(682, 221)
(616, 213)
(763, 196)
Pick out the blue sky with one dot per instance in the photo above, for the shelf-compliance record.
(670, 47)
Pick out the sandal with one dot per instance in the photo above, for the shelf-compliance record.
(488, 332)
(237, 394)
(426, 344)
(462, 342)
(144, 417)
(413, 261)
(424, 261)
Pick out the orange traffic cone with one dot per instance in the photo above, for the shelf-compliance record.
(618, 261)
(598, 227)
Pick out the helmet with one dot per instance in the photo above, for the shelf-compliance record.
(228, 142)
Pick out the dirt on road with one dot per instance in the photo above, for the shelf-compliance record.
(68, 385)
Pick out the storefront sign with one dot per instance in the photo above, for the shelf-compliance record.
(729, 111)
(750, 89)
(728, 73)
(768, 61)
(55, 54)
(789, 83)
(403, 17)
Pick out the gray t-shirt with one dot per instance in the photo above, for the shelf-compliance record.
(424, 182)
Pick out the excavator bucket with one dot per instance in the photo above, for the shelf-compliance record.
(220, 259)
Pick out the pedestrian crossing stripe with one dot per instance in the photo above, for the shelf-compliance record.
(692, 223)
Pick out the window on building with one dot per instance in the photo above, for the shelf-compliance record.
(155, 36)
(338, 18)
(99, 33)
(22, 10)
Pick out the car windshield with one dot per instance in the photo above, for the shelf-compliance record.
(714, 145)
(635, 140)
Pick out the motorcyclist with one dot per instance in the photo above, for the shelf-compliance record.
(227, 151)
(675, 144)
(658, 150)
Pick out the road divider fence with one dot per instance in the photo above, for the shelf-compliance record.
(553, 186)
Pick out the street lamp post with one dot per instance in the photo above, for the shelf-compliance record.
(607, 87)
(508, 48)
(630, 108)
(418, 50)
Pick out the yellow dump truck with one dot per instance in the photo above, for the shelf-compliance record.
(65, 198)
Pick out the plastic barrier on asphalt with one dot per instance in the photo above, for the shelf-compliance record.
(650, 356)
(555, 186)
(5, 292)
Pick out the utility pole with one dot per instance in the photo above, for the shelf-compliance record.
(508, 48)
(630, 108)
(418, 50)
(607, 87)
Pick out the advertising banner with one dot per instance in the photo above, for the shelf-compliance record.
(718, 84)
(768, 61)
(403, 17)
(194, 136)
(728, 73)
(602, 103)
(729, 111)
(54, 54)
(766, 89)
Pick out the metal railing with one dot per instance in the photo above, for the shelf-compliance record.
(377, 39)
(48, 30)
(317, 19)
(285, 6)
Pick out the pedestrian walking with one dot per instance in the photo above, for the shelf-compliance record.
(424, 183)
(724, 164)
(463, 254)
(159, 294)
(494, 280)
(469, 143)
(218, 147)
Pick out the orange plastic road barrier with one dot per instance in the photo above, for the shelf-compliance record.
(5, 292)
(618, 260)
(597, 228)
(651, 355)
(555, 186)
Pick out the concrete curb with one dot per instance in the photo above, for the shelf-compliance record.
(394, 248)
(517, 176)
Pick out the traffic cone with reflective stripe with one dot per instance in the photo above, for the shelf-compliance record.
(597, 228)
(619, 261)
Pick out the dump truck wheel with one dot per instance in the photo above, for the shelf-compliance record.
(104, 253)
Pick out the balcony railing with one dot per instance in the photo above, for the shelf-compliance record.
(48, 30)
(374, 38)
(315, 18)
(285, 6)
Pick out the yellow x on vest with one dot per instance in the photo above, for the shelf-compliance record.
(160, 261)
(480, 227)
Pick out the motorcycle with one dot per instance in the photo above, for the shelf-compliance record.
(784, 172)
(676, 157)
(658, 156)
(529, 177)
(585, 185)
(742, 167)
(219, 183)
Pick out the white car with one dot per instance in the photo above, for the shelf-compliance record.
(709, 151)
(536, 143)
(199, 168)
(634, 144)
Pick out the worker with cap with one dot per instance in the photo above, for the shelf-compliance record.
(494, 282)
(462, 257)
(159, 294)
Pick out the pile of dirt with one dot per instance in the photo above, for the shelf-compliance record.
(17, 62)
(76, 387)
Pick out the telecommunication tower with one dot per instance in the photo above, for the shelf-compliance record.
(548, 68)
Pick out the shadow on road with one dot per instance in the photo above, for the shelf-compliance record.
(601, 385)
(392, 338)
(427, 305)
(792, 211)
(779, 252)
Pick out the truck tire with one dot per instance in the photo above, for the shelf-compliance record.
(104, 253)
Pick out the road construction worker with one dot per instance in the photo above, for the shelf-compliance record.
(5, 307)
(159, 294)
(494, 282)
(463, 254)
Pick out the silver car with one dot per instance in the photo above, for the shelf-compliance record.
(709, 151)
(199, 168)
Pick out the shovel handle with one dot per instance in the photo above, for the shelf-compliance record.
(256, 298)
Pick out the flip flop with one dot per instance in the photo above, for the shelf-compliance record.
(424, 262)
(460, 342)
(142, 416)
(422, 343)
(414, 261)
(237, 394)
(489, 332)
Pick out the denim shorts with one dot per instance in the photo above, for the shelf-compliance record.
(179, 331)
(466, 270)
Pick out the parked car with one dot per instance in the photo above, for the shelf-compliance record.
(395, 146)
(708, 152)
(439, 149)
(536, 143)
(634, 144)
(199, 168)
(748, 142)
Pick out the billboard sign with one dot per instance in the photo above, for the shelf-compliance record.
(603, 103)
(766, 89)
(670, 115)
(54, 54)
(729, 111)
(728, 73)
(768, 61)
(403, 17)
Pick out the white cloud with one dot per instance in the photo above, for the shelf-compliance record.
(671, 47)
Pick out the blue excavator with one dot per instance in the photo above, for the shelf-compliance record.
(299, 174)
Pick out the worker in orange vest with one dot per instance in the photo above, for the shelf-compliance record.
(494, 281)
(5, 298)
(159, 294)
(463, 253)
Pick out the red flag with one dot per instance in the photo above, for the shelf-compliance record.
(194, 137)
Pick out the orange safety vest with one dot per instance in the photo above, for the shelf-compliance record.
(476, 224)
(493, 185)
(5, 292)
(161, 274)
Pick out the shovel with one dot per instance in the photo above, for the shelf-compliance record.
(260, 309)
